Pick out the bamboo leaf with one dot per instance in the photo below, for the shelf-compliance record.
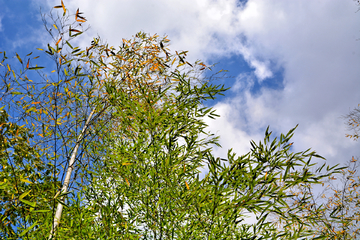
(28, 229)
(25, 180)
(36, 68)
(69, 44)
(32, 204)
(58, 41)
(18, 57)
(42, 211)
(63, 6)
(24, 194)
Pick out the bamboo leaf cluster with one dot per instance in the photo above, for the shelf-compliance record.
(111, 143)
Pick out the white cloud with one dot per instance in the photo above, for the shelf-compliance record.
(2, 13)
(1, 26)
(314, 42)
(203, 27)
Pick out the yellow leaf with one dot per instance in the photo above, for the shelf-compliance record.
(63, 6)
(58, 41)
(57, 194)
(127, 182)
(24, 195)
(187, 185)
(25, 180)
(18, 57)
(55, 26)
(78, 18)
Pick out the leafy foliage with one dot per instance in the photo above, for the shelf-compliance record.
(116, 137)
(353, 122)
(24, 187)
(335, 210)
(149, 185)
(336, 206)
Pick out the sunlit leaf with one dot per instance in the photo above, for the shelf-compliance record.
(25, 180)
(58, 41)
(24, 195)
(28, 229)
(78, 17)
(18, 57)
(63, 6)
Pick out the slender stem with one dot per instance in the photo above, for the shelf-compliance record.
(67, 177)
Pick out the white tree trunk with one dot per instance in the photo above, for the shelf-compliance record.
(68, 176)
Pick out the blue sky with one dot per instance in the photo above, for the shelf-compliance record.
(292, 62)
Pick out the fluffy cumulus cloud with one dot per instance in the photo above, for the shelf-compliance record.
(313, 44)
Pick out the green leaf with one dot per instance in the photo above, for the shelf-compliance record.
(69, 44)
(28, 229)
(35, 68)
(4, 184)
(32, 204)
(41, 211)
(24, 194)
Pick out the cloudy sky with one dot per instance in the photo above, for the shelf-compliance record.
(291, 62)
